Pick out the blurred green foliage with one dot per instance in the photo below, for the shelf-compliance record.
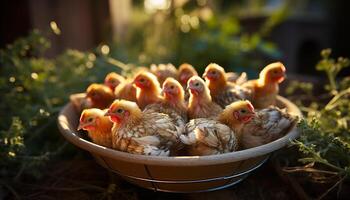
(199, 32)
(33, 89)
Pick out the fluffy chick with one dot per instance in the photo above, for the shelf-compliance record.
(236, 115)
(265, 89)
(208, 137)
(126, 90)
(219, 135)
(148, 89)
(256, 128)
(221, 90)
(145, 133)
(163, 71)
(173, 102)
(200, 104)
(186, 71)
(97, 125)
(268, 125)
(100, 95)
(112, 80)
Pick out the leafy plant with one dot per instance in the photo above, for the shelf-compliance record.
(325, 133)
(33, 89)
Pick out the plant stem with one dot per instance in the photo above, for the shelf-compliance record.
(331, 104)
(117, 63)
(331, 188)
(331, 81)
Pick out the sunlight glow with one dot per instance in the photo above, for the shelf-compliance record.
(105, 49)
(154, 5)
(55, 28)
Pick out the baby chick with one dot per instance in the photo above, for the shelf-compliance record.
(163, 71)
(186, 71)
(256, 128)
(222, 91)
(265, 89)
(173, 102)
(100, 95)
(126, 90)
(208, 137)
(146, 133)
(97, 125)
(200, 104)
(220, 135)
(268, 125)
(148, 89)
(112, 80)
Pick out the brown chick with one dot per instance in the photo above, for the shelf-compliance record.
(236, 115)
(265, 89)
(221, 90)
(200, 104)
(148, 89)
(208, 137)
(163, 71)
(256, 128)
(112, 80)
(173, 102)
(186, 71)
(145, 133)
(97, 125)
(100, 95)
(126, 90)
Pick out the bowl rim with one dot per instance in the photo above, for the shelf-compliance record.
(72, 136)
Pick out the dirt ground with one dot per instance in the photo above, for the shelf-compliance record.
(84, 179)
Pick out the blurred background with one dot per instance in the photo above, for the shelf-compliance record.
(239, 35)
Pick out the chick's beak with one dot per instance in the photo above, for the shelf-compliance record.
(80, 127)
(108, 113)
(205, 75)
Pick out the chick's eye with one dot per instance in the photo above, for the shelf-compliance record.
(243, 111)
(172, 87)
(90, 119)
(142, 80)
(120, 110)
(213, 72)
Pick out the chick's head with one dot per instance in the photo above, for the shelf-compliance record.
(172, 89)
(242, 111)
(162, 71)
(214, 72)
(121, 111)
(196, 85)
(113, 79)
(274, 72)
(186, 71)
(146, 80)
(98, 92)
(89, 119)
